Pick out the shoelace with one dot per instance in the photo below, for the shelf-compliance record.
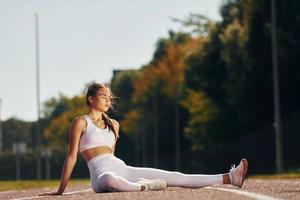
(231, 176)
(232, 167)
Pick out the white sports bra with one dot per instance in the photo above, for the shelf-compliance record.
(94, 136)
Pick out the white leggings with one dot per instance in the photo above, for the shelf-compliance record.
(109, 173)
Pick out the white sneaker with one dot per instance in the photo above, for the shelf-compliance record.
(238, 174)
(153, 185)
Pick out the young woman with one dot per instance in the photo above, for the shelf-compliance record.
(95, 134)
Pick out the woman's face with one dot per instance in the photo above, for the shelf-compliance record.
(102, 100)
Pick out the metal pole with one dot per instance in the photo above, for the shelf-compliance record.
(48, 168)
(177, 133)
(155, 138)
(277, 124)
(144, 139)
(48, 164)
(144, 147)
(18, 167)
(38, 138)
(137, 149)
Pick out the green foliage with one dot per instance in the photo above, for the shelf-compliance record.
(196, 24)
(202, 111)
(16, 130)
(233, 68)
(60, 114)
(121, 85)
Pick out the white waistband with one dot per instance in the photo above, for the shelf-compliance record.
(99, 157)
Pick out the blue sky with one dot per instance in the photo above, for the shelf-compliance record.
(80, 41)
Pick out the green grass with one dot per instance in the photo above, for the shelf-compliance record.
(29, 184)
(292, 175)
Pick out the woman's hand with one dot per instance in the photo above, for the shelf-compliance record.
(52, 193)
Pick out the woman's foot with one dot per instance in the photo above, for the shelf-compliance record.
(152, 185)
(238, 174)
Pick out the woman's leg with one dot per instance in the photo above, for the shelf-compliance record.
(173, 178)
(109, 181)
(236, 176)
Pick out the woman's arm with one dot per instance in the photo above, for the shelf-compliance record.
(116, 127)
(76, 128)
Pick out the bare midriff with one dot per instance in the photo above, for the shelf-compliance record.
(96, 151)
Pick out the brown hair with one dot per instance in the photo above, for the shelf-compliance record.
(92, 91)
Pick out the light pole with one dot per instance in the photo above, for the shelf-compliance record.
(177, 130)
(38, 137)
(47, 154)
(155, 121)
(16, 148)
(277, 124)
